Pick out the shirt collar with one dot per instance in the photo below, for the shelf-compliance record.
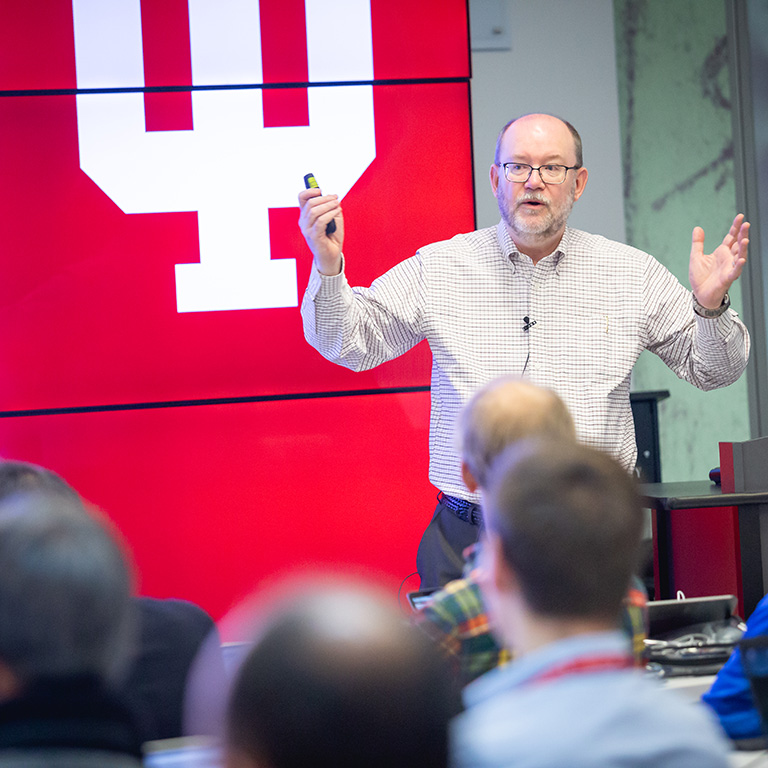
(522, 669)
(510, 251)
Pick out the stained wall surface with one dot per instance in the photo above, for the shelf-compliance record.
(675, 107)
(646, 82)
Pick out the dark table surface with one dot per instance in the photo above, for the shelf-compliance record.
(695, 494)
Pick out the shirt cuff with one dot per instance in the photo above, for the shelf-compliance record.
(717, 327)
(325, 285)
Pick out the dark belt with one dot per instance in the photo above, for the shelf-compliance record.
(465, 510)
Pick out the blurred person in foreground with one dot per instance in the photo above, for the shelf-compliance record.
(339, 678)
(166, 668)
(502, 412)
(562, 529)
(65, 634)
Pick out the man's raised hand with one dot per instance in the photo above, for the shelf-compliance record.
(712, 274)
(316, 212)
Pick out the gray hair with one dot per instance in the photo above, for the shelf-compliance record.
(18, 476)
(64, 590)
(504, 411)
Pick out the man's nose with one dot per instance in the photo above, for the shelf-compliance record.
(534, 180)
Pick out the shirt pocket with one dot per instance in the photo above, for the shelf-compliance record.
(596, 347)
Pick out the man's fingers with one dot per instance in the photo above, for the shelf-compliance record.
(313, 206)
(744, 232)
(740, 243)
(741, 254)
(697, 240)
(738, 266)
(324, 220)
(322, 213)
(307, 194)
(737, 232)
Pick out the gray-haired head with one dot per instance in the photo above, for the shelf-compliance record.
(23, 476)
(65, 587)
(504, 411)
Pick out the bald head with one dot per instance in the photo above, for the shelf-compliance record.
(548, 130)
(339, 678)
(504, 411)
(344, 632)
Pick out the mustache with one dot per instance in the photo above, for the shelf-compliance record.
(537, 196)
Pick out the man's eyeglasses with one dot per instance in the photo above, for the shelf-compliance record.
(549, 174)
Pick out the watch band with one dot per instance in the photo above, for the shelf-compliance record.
(706, 311)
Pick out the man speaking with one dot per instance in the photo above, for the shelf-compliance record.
(569, 310)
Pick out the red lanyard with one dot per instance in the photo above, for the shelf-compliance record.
(582, 665)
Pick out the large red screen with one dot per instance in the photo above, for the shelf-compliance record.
(91, 290)
(151, 159)
(216, 499)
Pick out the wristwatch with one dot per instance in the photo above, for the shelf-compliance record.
(706, 311)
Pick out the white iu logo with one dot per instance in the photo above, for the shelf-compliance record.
(230, 168)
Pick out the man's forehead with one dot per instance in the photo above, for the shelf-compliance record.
(540, 134)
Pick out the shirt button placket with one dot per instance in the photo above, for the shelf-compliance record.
(533, 308)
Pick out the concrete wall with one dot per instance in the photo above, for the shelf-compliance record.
(678, 173)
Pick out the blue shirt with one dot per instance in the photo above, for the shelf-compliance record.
(730, 695)
(593, 717)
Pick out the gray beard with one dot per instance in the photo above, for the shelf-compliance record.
(537, 229)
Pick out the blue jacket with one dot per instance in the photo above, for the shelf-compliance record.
(730, 695)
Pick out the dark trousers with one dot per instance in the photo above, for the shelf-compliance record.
(440, 556)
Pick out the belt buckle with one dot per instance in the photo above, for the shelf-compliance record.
(465, 510)
(462, 513)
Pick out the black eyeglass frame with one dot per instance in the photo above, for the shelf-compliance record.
(532, 168)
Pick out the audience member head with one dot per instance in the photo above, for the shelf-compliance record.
(563, 525)
(502, 412)
(65, 585)
(339, 678)
(22, 476)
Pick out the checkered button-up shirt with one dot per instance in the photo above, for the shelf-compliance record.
(592, 306)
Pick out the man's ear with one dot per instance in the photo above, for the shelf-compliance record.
(494, 175)
(581, 181)
(468, 477)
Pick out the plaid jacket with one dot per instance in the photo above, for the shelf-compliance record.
(457, 622)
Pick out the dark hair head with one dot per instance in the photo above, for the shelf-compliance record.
(340, 679)
(569, 521)
(64, 589)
